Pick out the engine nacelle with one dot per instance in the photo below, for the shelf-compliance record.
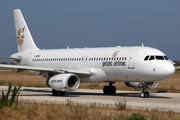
(63, 82)
(138, 85)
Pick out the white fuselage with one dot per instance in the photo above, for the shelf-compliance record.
(123, 64)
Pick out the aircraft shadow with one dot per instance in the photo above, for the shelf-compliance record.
(42, 90)
(137, 95)
(78, 94)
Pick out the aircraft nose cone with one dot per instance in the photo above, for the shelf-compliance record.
(169, 70)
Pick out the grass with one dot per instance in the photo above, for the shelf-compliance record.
(78, 111)
(167, 89)
(121, 105)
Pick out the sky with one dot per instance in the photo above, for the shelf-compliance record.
(94, 23)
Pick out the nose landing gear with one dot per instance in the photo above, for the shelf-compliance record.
(144, 93)
(109, 89)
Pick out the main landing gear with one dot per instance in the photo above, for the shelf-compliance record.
(144, 93)
(55, 92)
(109, 89)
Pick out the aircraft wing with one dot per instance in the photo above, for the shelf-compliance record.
(20, 68)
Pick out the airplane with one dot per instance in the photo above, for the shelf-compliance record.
(140, 67)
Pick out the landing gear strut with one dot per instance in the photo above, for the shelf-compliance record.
(55, 92)
(144, 93)
(109, 89)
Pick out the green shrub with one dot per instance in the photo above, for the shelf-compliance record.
(136, 116)
(4, 99)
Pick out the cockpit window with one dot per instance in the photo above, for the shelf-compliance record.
(151, 58)
(155, 57)
(166, 57)
(146, 58)
(159, 57)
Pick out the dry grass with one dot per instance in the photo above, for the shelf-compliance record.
(30, 80)
(26, 79)
(77, 111)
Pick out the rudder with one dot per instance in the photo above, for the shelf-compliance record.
(25, 41)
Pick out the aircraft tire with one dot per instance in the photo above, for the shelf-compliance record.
(142, 94)
(113, 90)
(146, 94)
(106, 90)
(54, 92)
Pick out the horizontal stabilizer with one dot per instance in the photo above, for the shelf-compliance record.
(10, 58)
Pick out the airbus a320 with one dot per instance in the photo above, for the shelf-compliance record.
(139, 67)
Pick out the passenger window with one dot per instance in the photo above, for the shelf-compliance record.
(151, 58)
(146, 58)
(159, 57)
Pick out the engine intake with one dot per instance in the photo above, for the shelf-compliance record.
(138, 85)
(64, 82)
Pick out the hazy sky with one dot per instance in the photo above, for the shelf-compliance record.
(94, 23)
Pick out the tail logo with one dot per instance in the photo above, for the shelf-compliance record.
(20, 37)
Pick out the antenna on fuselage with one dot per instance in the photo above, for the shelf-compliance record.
(142, 44)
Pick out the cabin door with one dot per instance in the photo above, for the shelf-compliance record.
(131, 63)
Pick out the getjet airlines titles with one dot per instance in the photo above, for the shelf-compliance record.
(139, 67)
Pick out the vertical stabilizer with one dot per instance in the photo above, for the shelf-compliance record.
(25, 41)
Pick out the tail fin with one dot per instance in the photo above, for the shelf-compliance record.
(25, 41)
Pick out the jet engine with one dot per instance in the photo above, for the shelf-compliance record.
(63, 82)
(138, 85)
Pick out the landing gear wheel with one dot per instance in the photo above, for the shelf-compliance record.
(144, 94)
(113, 90)
(54, 92)
(106, 90)
(61, 93)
